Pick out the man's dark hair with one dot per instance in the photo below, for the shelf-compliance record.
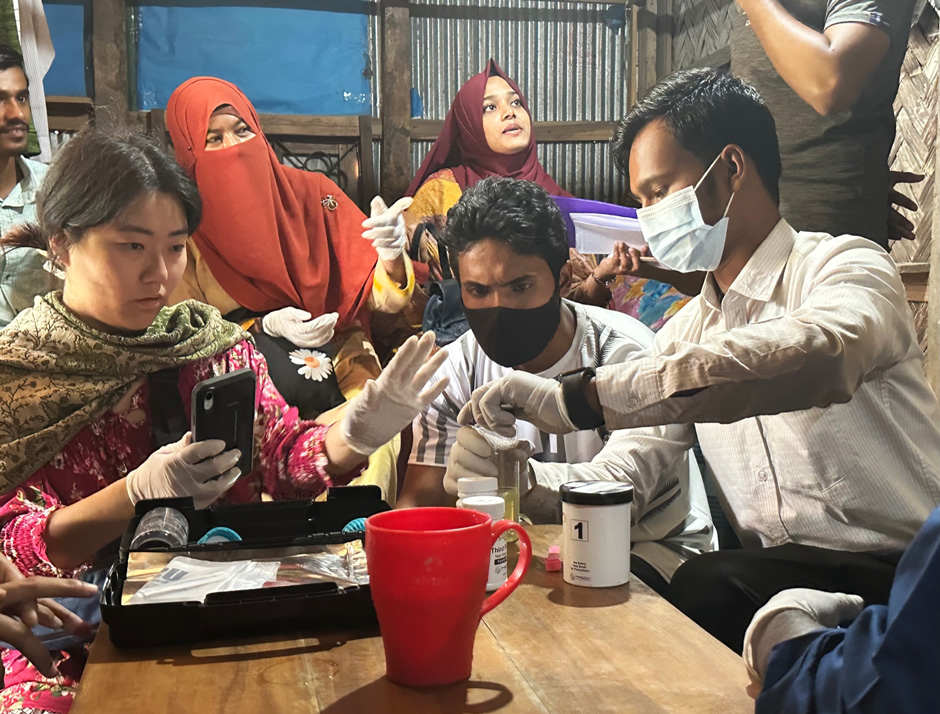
(706, 110)
(519, 213)
(10, 58)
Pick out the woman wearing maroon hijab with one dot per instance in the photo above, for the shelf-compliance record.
(488, 132)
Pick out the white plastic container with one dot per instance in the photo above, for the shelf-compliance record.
(595, 517)
(476, 486)
(495, 508)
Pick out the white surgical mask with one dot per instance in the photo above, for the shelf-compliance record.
(677, 235)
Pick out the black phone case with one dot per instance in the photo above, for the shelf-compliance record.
(223, 408)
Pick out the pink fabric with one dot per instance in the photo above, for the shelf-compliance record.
(462, 147)
(290, 463)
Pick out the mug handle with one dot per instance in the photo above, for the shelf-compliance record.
(522, 565)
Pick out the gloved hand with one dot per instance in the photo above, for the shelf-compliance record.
(185, 469)
(296, 326)
(469, 456)
(790, 614)
(386, 228)
(390, 403)
(534, 399)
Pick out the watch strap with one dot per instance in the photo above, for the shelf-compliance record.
(574, 393)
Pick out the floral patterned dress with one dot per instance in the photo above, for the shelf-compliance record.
(649, 301)
(290, 463)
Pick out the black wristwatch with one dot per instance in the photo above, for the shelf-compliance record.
(574, 386)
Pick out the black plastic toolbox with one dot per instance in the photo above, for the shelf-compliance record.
(248, 612)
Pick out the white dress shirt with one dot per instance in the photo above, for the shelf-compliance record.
(805, 384)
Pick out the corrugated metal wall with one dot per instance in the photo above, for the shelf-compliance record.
(565, 56)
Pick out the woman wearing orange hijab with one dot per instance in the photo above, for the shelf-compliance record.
(285, 245)
(275, 237)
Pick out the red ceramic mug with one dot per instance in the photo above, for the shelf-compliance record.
(428, 570)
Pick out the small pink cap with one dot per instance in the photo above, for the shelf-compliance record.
(553, 561)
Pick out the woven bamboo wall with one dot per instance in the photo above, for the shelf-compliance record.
(702, 28)
(915, 148)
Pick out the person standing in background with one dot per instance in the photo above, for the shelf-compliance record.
(829, 72)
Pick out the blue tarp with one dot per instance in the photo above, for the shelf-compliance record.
(287, 60)
(66, 21)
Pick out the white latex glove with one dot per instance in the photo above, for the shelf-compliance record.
(186, 469)
(534, 399)
(790, 614)
(469, 456)
(296, 326)
(390, 403)
(386, 228)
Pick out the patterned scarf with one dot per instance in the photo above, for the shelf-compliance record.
(57, 375)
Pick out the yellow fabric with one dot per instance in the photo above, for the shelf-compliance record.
(198, 283)
(436, 196)
(355, 362)
(382, 470)
(387, 295)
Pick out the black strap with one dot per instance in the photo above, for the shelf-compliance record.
(574, 392)
(414, 248)
(167, 415)
(444, 257)
(442, 254)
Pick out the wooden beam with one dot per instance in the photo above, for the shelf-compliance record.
(716, 60)
(310, 126)
(157, 127)
(665, 24)
(68, 113)
(915, 277)
(351, 127)
(109, 59)
(643, 49)
(366, 165)
(932, 365)
(396, 99)
(545, 131)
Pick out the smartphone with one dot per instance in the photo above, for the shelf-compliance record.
(223, 408)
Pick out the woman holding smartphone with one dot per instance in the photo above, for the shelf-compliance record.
(76, 438)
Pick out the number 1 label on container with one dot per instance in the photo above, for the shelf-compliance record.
(579, 531)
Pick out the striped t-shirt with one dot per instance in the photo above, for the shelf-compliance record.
(667, 510)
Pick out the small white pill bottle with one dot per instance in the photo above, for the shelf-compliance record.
(595, 517)
(475, 486)
(495, 508)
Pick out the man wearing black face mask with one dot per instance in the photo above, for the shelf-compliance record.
(508, 244)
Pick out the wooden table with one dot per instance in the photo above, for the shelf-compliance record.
(551, 647)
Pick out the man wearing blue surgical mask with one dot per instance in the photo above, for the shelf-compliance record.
(508, 244)
(797, 367)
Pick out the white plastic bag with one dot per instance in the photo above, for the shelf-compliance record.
(190, 580)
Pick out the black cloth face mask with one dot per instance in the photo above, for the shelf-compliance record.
(510, 336)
